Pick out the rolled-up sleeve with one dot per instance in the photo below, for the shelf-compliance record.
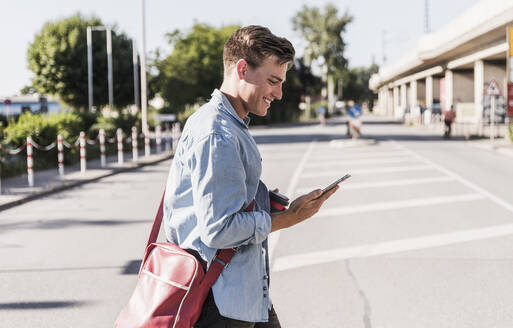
(219, 192)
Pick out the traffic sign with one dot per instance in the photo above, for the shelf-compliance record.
(492, 89)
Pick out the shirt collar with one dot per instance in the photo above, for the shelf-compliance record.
(227, 106)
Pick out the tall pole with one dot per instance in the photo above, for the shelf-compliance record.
(90, 67)
(136, 75)
(109, 67)
(427, 29)
(144, 101)
(383, 44)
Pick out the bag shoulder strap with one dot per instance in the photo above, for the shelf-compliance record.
(156, 223)
(224, 255)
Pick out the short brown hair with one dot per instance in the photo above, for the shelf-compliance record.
(255, 43)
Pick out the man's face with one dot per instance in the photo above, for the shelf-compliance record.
(262, 85)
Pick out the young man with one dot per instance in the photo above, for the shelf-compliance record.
(215, 177)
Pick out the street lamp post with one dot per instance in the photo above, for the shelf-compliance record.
(108, 31)
(144, 100)
(136, 74)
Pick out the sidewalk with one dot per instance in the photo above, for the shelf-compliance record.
(15, 191)
(500, 144)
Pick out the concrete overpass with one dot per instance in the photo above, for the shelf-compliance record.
(453, 65)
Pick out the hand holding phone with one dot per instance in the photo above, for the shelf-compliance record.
(334, 184)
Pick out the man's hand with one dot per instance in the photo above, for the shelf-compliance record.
(300, 209)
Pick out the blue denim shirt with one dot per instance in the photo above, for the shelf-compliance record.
(214, 176)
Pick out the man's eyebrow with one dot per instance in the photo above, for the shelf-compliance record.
(279, 79)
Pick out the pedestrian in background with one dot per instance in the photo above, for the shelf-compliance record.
(321, 113)
(449, 116)
(215, 177)
(354, 122)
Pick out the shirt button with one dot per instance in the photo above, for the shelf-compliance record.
(265, 287)
(266, 277)
(265, 295)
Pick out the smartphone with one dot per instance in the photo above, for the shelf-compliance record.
(331, 186)
(279, 198)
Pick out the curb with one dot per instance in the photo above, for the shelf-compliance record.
(66, 186)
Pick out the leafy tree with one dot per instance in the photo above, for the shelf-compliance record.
(194, 67)
(355, 83)
(322, 30)
(58, 58)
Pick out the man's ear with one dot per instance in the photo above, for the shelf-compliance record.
(242, 69)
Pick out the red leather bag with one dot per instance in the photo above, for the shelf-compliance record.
(172, 285)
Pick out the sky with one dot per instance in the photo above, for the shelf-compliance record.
(398, 22)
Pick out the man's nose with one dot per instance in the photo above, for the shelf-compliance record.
(277, 93)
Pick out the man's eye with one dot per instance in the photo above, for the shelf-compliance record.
(273, 82)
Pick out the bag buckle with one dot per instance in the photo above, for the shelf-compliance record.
(225, 265)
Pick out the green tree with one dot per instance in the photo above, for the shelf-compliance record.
(356, 84)
(58, 58)
(194, 67)
(322, 31)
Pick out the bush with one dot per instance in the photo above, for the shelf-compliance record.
(43, 129)
(110, 124)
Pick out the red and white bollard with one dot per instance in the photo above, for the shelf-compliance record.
(147, 144)
(175, 134)
(103, 159)
(119, 134)
(30, 163)
(83, 162)
(135, 149)
(60, 156)
(158, 138)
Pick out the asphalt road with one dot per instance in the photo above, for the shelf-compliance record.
(420, 236)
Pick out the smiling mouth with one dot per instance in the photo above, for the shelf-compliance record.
(267, 100)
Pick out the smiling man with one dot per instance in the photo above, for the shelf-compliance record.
(214, 197)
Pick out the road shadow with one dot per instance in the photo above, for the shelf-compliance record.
(42, 305)
(66, 223)
(411, 137)
(296, 138)
(132, 267)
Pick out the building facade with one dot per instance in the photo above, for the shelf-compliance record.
(454, 66)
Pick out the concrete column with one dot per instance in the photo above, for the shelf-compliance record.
(396, 98)
(429, 91)
(413, 94)
(390, 102)
(403, 96)
(478, 89)
(383, 101)
(448, 89)
(380, 101)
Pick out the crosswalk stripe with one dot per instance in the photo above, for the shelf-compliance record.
(360, 162)
(381, 184)
(275, 237)
(392, 205)
(354, 172)
(390, 247)
(345, 156)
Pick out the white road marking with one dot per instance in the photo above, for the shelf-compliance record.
(485, 193)
(275, 236)
(390, 247)
(350, 162)
(392, 205)
(381, 184)
(281, 157)
(354, 172)
(347, 156)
